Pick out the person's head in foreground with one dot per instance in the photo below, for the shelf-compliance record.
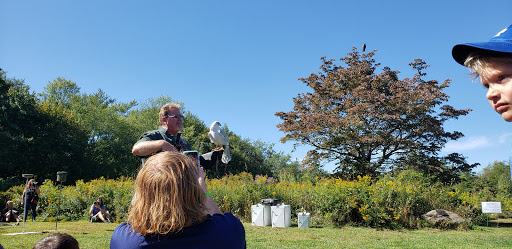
(492, 62)
(170, 209)
(57, 241)
(168, 196)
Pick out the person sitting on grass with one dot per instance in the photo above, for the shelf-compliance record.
(57, 241)
(97, 213)
(172, 208)
(10, 213)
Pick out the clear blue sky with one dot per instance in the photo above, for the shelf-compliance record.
(238, 61)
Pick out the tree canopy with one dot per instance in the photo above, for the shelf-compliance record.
(91, 135)
(368, 121)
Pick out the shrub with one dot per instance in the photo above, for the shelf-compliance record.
(75, 200)
(391, 201)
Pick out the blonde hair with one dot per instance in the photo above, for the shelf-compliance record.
(480, 60)
(165, 108)
(30, 182)
(167, 196)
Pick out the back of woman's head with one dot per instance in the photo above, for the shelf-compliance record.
(167, 196)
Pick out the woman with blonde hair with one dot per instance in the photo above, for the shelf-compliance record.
(30, 198)
(172, 208)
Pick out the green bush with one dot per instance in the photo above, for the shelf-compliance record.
(76, 200)
(391, 201)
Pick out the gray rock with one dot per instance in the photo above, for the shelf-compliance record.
(440, 215)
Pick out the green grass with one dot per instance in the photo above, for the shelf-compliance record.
(97, 235)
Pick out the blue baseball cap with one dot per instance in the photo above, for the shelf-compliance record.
(501, 43)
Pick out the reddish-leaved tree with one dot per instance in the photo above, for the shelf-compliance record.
(371, 122)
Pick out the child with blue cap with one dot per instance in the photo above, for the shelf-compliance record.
(492, 62)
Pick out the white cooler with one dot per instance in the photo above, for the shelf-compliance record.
(303, 219)
(281, 216)
(261, 215)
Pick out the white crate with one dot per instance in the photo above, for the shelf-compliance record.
(303, 220)
(281, 216)
(261, 215)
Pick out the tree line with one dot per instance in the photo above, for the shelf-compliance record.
(361, 116)
(91, 135)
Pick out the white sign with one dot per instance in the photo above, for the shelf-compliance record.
(491, 207)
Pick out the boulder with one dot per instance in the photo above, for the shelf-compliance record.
(440, 215)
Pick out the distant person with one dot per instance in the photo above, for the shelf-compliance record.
(57, 241)
(97, 212)
(492, 62)
(168, 137)
(30, 198)
(172, 208)
(10, 213)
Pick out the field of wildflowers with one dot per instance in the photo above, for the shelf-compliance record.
(386, 202)
(76, 200)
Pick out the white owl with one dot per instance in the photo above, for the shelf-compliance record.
(220, 139)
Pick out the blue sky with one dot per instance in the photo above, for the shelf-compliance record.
(238, 62)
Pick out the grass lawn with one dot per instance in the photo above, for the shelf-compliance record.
(97, 235)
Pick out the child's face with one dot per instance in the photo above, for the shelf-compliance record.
(497, 78)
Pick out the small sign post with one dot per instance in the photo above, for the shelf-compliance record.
(25, 202)
(491, 208)
(61, 177)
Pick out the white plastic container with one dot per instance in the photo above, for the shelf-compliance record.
(303, 220)
(281, 216)
(261, 215)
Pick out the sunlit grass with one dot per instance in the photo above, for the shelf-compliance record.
(97, 235)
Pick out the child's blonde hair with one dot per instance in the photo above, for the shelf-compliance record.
(479, 61)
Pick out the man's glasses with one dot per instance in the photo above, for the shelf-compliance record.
(176, 116)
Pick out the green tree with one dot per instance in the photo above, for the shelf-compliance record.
(36, 138)
(369, 122)
(17, 111)
(59, 144)
(495, 178)
(110, 134)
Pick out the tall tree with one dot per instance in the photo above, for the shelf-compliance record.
(35, 138)
(367, 122)
(17, 111)
(110, 135)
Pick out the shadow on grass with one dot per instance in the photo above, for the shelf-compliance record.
(500, 223)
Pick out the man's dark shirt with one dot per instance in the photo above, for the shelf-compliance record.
(206, 160)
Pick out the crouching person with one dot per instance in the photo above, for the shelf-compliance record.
(10, 213)
(172, 208)
(97, 213)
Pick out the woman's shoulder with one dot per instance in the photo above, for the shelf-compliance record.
(125, 237)
(225, 221)
(225, 216)
(123, 227)
(225, 230)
